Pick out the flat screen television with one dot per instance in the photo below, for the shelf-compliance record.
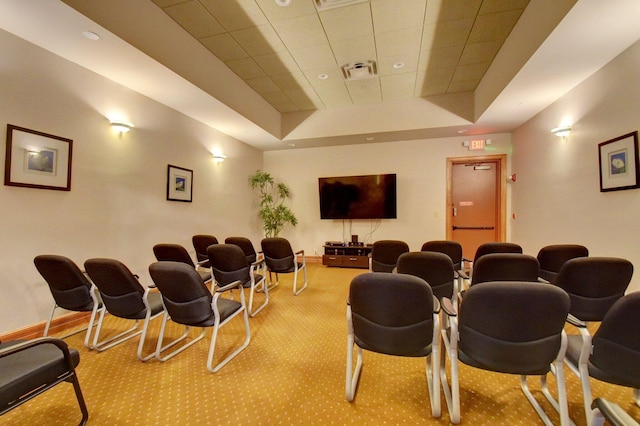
(358, 197)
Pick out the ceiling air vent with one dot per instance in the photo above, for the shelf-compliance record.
(359, 70)
(330, 4)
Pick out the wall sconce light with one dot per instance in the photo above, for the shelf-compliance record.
(562, 132)
(219, 158)
(121, 126)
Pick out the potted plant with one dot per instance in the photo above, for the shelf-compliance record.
(274, 214)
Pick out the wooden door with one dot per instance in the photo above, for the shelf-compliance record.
(476, 201)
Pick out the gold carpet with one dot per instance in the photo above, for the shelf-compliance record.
(292, 373)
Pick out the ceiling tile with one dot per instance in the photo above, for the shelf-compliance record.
(365, 91)
(493, 6)
(259, 40)
(305, 98)
(276, 13)
(397, 86)
(434, 81)
(386, 65)
(235, 14)
(451, 10)
(276, 63)
(165, 3)
(446, 34)
(194, 18)
(280, 101)
(480, 52)
(245, 68)
(463, 86)
(301, 32)
(347, 22)
(470, 71)
(224, 47)
(397, 15)
(314, 57)
(354, 50)
(446, 57)
(398, 42)
(262, 85)
(496, 26)
(291, 81)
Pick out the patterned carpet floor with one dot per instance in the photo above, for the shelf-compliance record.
(292, 373)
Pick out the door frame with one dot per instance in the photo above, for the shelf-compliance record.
(501, 189)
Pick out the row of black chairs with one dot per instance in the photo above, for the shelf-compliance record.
(594, 288)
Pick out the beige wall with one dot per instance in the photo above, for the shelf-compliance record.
(117, 205)
(557, 196)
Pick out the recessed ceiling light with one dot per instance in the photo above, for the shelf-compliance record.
(398, 65)
(461, 131)
(291, 144)
(323, 76)
(91, 35)
(283, 3)
(369, 138)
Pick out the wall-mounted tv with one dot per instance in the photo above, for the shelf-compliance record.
(358, 197)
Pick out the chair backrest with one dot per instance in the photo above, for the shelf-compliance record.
(496, 247)
(594, 284)
(511, 326)
(228, 263)
(505, 267)
(392, 313)
(385, 254)
(172, 253)
(433, 267)
(200, 244)
(453, 249)
(246, 246)
(278, 254)
(552, 257)
(120, 290)
(616, 344)
(186, 299)
(69, 286)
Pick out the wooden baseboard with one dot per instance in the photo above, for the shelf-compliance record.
(58, 325)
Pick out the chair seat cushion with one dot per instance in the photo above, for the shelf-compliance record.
(30, 369)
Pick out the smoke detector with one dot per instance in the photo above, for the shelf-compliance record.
(330, 4)
(359, 70)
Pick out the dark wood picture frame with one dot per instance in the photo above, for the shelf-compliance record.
(619, 165)
(179, 184)
(37, 160)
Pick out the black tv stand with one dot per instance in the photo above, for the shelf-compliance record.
(346, 256)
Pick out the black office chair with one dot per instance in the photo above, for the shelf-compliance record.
(453, 249)
(594, 284)
(433, 267)
(496, 247)
(246, 246)
(613, 354)
(505, 267)
(508, 327)
(187, 301)
(385, 254)
(200, 244)
(281, 259)
(552, 257)
(393, 314)
(32, 367)
(176, 253)
(123, 297)
(229, 264)
(70, 288)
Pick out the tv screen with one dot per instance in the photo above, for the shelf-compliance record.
(358, 197)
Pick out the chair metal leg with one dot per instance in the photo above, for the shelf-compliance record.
(433, 371)
(636, 396)
(295, 279)
(450, 349)
(214, 336)
(254, 289)
(160, 348)
(352, 375)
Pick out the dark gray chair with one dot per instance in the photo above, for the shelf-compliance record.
(612, 355)
(508, 327)
(247, 247)
(552, 257)
(281, 259)
(166, 252)
(433, 267)
(385, 254)
(453, 249)
(187, 301)
(393, 314)
(594, 284)
(505, 267)
(603, 409)
(123, 297)
(496, 247)
(32, 367)
(229, 264)
(200, 244)
(70, 288)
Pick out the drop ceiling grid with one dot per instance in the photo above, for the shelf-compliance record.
(446, 45)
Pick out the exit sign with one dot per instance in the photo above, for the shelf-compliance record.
(476, 145)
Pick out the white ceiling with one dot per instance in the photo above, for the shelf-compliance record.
(249, 68)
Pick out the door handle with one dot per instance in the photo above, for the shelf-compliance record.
(455, 211)
(474, 227)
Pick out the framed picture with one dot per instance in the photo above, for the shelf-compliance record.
(179, 184)
(37, 160)
(619, 168)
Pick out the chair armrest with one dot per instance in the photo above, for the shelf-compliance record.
(231, 286)
(436, 305)
(462, 274)
(257, 263)
(576, 322)
(543, 281)
(300, 252)
(448, 308)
